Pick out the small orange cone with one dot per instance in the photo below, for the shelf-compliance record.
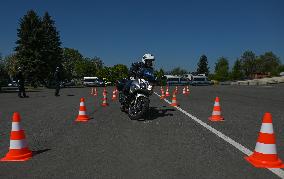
(104, 104)
(82, 116)
(116, 91)
(18, 150)
(163, 94)
(187, 90)
(95, 92)
(184, 91)
(176, 90)
(113, 95)
(265, 154)
(167, 92)
(92, 91)
(174, 100)
(105, 91)
(216, 114)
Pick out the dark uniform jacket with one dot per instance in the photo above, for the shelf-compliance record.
(20, 78)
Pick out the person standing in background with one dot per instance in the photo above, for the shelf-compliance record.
(21, 83)
(57, 79)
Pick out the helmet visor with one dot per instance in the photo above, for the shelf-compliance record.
(149, 63)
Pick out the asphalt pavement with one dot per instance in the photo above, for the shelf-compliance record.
(168, 144)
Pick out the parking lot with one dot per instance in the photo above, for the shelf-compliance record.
(168, 144)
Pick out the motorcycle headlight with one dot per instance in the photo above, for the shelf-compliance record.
(133, 88)
(143, 86)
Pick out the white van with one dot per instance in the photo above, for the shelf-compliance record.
(92, 81)
(198, 80)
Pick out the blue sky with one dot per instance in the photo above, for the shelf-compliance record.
(177, 32)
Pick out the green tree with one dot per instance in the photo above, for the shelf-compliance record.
(281, 69)
(269, 62)
(222, 69)
(178, 71)
(29, 47)
(105, 72)
(85, 67)
(52, 52)
(119, 71)
(248, 63)
(70, 58)
(4, 77)
(11, 63)
(160, 74)
(203, 65)
(237, 72)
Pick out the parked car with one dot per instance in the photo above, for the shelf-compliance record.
(176, 81)
(93, 81)
(66, 84)
(200, 81)
(13, 84)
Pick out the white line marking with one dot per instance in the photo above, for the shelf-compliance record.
(277, 171)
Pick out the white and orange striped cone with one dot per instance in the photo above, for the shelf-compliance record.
(167, 92)
(265, 154)
(116, 91)
(95, 92)
(184, 91)
(174, 100)
(176, 90)
(216, 114)
(18, 150)
(104, 103)
(113, 95)
(105, 91)
(187, 90)
(162, 94)
(82, 116)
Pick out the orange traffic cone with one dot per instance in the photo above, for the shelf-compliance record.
(162, 95)
(183, 91)
(265, 154)
(105, 91)
(216, 114)
(82, 116)
(176, 90)
(174, 100)
(116, 91)
(187, 90)
(167, 92)
(104, 104)
(92, 91)
(113, 95)
(18, 150)
(95, 92)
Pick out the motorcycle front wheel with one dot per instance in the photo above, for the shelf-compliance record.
(137, 111)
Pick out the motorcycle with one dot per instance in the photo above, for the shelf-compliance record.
(134, 95)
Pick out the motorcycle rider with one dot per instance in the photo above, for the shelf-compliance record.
(136, 71)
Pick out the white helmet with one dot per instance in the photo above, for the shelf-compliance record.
(147, 59)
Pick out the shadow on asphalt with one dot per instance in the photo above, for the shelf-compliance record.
(70, 95)
(155, 113)
(36, 152)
